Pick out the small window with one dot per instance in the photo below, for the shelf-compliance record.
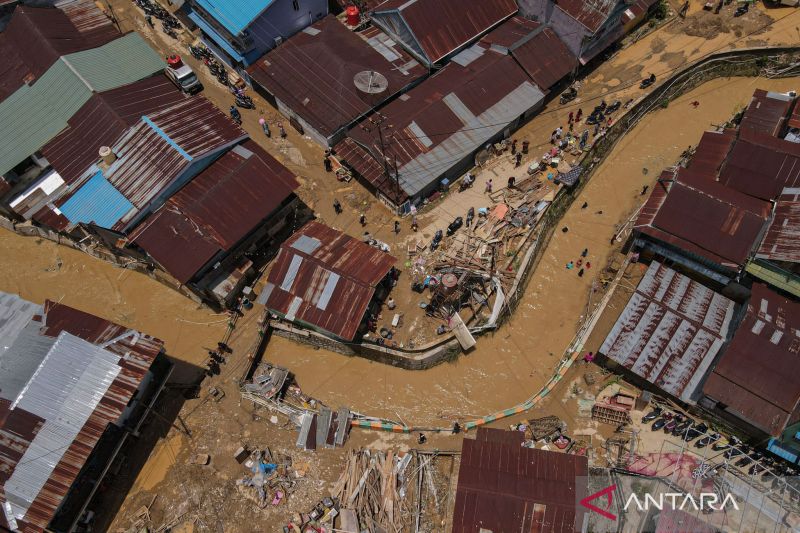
(296, 5)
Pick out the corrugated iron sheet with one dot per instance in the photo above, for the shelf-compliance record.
(96, 202)
(131, 353)
(761, 171)
(711, 152)
(766, 113)
(590, 13)
(758, 377)
(327, 98)
(704, 217)
(216, 210)
(103, 120)
(537, 49)
(235, 15)
(33, 115)
(670, 331)
(505, 487)
(782, 241)
(299, 281)
(152, 155)
(441, 27)
(36, 37)
(443, 120)
(87, 18)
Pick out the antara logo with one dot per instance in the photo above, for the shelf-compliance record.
(707, 501)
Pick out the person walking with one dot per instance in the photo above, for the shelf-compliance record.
(363, 219)
(337, 206)
(396, 227)
(488, 187)
(584, 252)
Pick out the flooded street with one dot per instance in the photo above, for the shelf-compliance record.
(511, 365)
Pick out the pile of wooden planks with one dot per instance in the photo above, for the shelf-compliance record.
(372, 486)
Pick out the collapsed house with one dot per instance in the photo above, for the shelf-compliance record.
(53, 65)
(430, 135)
(433, 31)
(327, 77)
(73, 387)
(588, 27)
(670, 332)
(327, 281)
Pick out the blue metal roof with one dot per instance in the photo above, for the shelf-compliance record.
(235, 15)
(216, 37)
(97, 202)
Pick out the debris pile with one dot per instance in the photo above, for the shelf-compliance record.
(270, 479)
(372, 492)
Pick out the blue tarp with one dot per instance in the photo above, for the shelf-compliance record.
(775, 447)
(97, 202)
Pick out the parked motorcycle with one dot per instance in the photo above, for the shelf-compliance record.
(694, 432)
(245, 103)
(235, 115)
(265, 126)
(568, 95)
(647, 82)
(614, 107)
(741, 10)
(437, 238)
(732, 452)
(455, 225)
(708, 439)
(466, 183)
(682, 428)
(652, 415)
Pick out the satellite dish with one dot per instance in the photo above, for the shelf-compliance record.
(370, 82)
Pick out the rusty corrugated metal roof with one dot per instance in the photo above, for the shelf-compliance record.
(704, 217)
(761, 171)
(313, 73)
(537, 49)
(670, 331)
(36, 37)
(782, 241)
(503, 486)
(711, 152)
(441, 27)
(326, 279)
(102, 121)
(758, 377)
(443, 120)
(87, 17)
(216, 210)
(19, 428)
(590, 13)
(766, 113)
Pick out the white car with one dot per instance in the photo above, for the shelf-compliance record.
(184, 78)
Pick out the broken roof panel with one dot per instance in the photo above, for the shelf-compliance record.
(503, 486)
(670, 331)
(758, 377)
(216, 210)
(537, 49)
(766, 113)
(433, 29)
(92, 369)
(703, 217)
(329, 98)
(329, 288)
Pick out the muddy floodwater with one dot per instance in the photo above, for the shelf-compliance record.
(509, 366)
(504, 369)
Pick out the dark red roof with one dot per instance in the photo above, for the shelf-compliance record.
(216, 210)
(537, 49)
(103, 120)
(36, 37)
(505, 487)
(782, 241)
(441, 27)
(590, 13)
(766, 113)
(327, 98)
(758, 376)
(761, 171)
(18, 428)
(711, 152)
(704, 217)
(325, 278)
